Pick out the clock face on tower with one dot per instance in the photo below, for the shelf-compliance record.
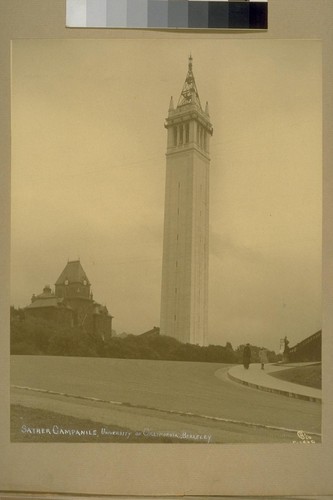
(66, 282)
(84, 282)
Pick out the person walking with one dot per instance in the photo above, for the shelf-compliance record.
(247, 356)
(263, 357)
(286, 350)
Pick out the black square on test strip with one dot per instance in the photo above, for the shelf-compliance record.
(258, 15)
(239, 15)
(218, 14)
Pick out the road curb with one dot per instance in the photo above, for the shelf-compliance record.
(276, 391)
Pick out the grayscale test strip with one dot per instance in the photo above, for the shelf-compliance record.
(182, 14)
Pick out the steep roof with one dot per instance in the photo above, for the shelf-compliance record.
(73, 272)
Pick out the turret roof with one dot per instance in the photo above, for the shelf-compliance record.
(73, 272)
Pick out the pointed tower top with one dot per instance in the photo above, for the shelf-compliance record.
(171, 105)
(189, 94)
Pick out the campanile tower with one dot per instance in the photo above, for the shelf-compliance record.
(184, 298)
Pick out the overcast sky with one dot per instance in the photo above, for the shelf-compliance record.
(88, 176)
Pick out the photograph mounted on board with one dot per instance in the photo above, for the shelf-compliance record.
(166, 241)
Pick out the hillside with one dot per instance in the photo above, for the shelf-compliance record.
(40, 337)
(309, 375)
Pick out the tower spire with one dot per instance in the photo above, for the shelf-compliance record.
(189, 93)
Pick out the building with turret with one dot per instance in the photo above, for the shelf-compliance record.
(184, 296)
(71, 303)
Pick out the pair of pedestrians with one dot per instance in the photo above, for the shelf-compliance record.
(247, 357)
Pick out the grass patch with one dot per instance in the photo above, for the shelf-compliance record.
(31, 425)
(304, 375)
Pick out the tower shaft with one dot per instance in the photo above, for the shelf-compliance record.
(184, 298)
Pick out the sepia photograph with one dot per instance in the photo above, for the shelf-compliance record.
(166, 241)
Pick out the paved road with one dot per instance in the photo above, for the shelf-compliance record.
(159, 395)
